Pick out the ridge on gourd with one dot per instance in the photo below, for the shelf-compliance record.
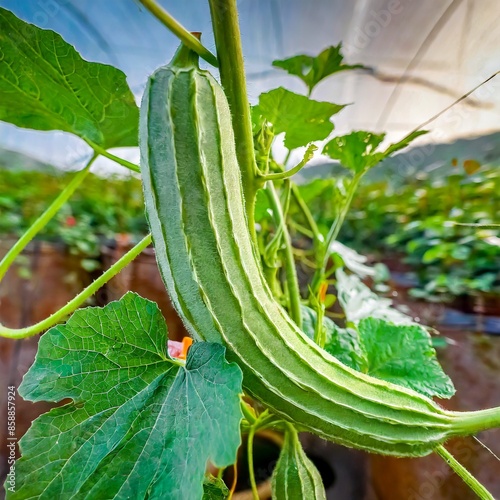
(194, 205)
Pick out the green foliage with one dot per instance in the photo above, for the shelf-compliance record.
(425, 223)
(46, 85)
(214, 489)
(357, 151)
(313, 69)
(142, 424)
(449, 260)
(103, 208)
(403, 355)
(303, 120)
(399, 353)
(133, 428)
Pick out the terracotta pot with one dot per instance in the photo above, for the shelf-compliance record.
(487, 304)
(141, 276)
(54, 278)
(473, 363)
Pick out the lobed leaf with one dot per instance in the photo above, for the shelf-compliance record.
(303, 120)
(403, 355)
(139, 425)
(46, 85)
(383, 342)
(357, 151)
(313, 69)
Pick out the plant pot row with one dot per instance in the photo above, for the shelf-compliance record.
(49, 276)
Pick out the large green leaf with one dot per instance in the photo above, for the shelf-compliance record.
(403, 355)
(357, 151)
(303, 120)
(46, 85)
(295, 477)
(140, 425)
(311, 70)
(383, 342)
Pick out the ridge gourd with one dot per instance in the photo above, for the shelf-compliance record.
(195, 208)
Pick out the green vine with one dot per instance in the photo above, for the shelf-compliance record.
(72, 305)
(232, 74)
(104, 152)
(320, 272)
(180, 31)
(461, 471)
(42, 221)
(291, 272)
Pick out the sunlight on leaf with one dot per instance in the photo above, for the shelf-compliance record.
(46, 85)
(303, 120)
(139, 425)
(357, 151)
(354, 261)
(359, 302)
(312, 70)
(403, 355)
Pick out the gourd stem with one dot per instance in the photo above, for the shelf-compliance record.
(291, 272)
(185, 57)
(77, 301)
(467, 477)
(472, 422)
(224, 15)
(180, 31)
(44, 218)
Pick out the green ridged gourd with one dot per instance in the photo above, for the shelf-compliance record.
(195, 208)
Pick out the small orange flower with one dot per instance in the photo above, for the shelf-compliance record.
(186, 344)
(179, 349)
(322, 292)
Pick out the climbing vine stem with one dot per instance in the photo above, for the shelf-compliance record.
(187, 38)
(44, 218)
(76, 302)
(232, 74)
(291, 272)
(461, 471)
(334, 231)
